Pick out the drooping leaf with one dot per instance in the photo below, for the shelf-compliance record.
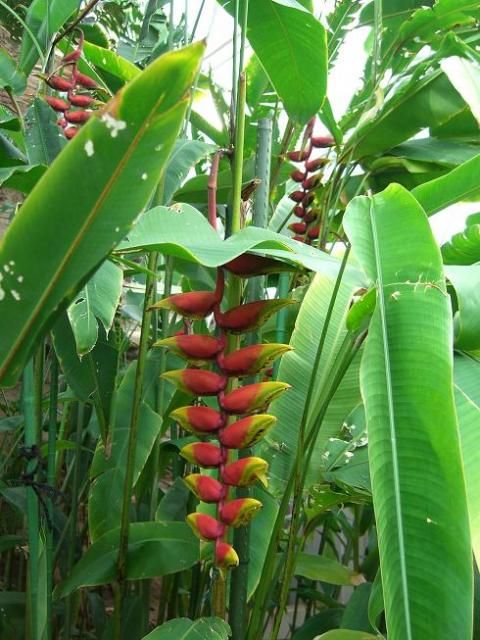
(98, 299)
(186, 629)
(183, 232)
(463, 247)
(44, 19)
(43, 137)
(325, 569)
(154, 549)
(22, 178)
(467, 401)
(406, 373)
(10, 77)
(465, 76)
(185, 155)
(71, 207)
(289, 42)
(344, 634)
(108, 60)
(445, 14)
(460, 184)
(466, 321)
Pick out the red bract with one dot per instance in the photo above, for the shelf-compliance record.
(86, 81)
(250, 360)
(205, 488)
(298, 227)
(312, 182)
(252, 397)
(57, 103)
(225, 556)
(299, 211)
(299, 156)
(196, 381)
(77, 117)
(238, 513)
(248, 264)
(205, 527)
(248, 317)
(73, 56)
(198, 420)
(247, 431)
(311, 215)
(203, 454)
(297, 196)
(245, 472)
(70, 132)
(314, 232)
(322, 141)
(80, 100)
(317, 163)
(298, 175)
(193, 347)
(59, 84)
(194, 304)
(308, 199)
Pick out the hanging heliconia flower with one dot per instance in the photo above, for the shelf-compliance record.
(309, 178)
(77, 106)
(230, 433)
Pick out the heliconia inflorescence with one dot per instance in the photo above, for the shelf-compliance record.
(309, 178)
(235, 423)
(76, 108)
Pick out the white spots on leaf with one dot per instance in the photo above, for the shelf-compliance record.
(326, 455)
(89, 149)
(348, 454)
(144, 176)
(20, 279)
(113, 124)
(2, 294)
(11, 263)
(6, 268)
(430, 521)
(159, 147)
(395, 295)
(15, 295)
(117, 229)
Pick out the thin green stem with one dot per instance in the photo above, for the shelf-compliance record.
(132, 438)
(52, 435)
(171, 27)
(33, 522)
(236, 214)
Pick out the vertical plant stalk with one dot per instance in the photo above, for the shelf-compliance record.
(33, 522)
(212, 189)
(51, 475)
(236, 214)
(241, 540)
(132, 442)
(281, 320)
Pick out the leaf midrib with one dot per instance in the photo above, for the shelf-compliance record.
(391, 421)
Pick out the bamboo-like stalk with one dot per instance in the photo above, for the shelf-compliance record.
(132, 443)
(33, 523)
(52, 435)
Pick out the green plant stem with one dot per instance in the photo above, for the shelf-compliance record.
(171, 28)
(74, 502)
(33, 523)
(281, 319)
(236, 214)
(52, 434)
(132, 441)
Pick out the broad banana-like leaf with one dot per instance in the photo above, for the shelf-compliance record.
(466, 321)
(186, 629)
(406, 374)
(467, 400)
(463, 247)
(87, 200)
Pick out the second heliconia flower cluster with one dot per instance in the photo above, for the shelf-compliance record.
(238, 419)
(76, 102)
(309, 178)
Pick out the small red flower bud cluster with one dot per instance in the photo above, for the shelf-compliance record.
(76, 108)
(247, 403)
(309, 178)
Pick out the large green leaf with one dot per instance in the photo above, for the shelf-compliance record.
(466, 321)
(43, 138)
(110, 61)
(184, 156)
(414, 452)
(467, 400)
(99, 298)
(154, 549)
(85, 203)
(422, 102)
(345, 634)
(108, 472)
(183, 232)
(324, 569)
(459, 184)
(463, 247)
(186, 629)
(465, 76)
(290, 43)
(296, 368)
(10, 77)
(44, 19)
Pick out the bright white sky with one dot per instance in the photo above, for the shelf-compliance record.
(217, 27)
